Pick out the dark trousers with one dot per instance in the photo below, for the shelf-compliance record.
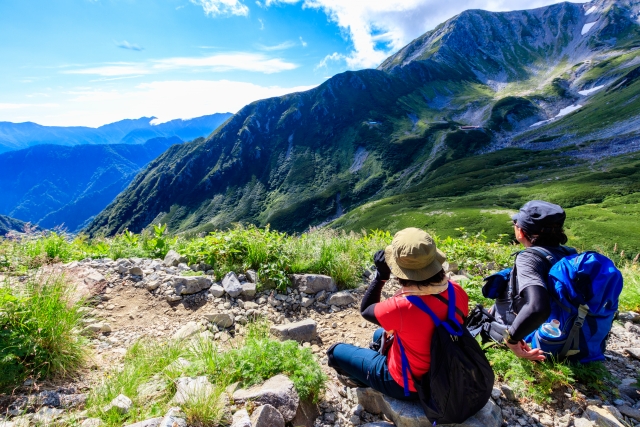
(367, 366)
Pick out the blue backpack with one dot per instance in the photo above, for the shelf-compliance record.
(584, 290)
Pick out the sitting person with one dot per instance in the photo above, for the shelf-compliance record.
(525, 304)
(416, 262)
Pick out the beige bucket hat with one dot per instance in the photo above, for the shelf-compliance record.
(412, 255)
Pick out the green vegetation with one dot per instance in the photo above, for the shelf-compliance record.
(40, 328)
(508, 111)
(151, 369)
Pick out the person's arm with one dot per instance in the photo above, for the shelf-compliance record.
(534, 312)
(374, 291)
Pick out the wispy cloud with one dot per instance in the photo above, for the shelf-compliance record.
(304, 43)
(334, 57)
(261, 23)
(15, 106)
(242, 61)
(126, 45)
(281, 46)
(222, 7)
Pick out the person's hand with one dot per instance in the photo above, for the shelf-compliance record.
(522, 349)
(381, 265)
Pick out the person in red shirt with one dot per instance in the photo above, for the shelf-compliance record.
(417, 264)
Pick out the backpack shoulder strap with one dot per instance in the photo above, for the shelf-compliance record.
(446, 302)
(451, 324)
(543, 254)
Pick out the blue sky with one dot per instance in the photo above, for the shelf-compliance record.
(91, 62)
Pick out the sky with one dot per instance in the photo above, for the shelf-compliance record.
(92, 62)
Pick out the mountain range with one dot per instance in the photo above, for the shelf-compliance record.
(521, 95)
(15, 136)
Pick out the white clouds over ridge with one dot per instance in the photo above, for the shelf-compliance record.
(222, 7)
(378, 28)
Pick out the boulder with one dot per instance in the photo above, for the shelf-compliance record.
(222, 320)
(191, 285)
(633, 352)
(306, 414)
(601, 417)
(241, 419)
(313, 283)
(216, 290)
(187, 330)
(630, 412)
(192, 389)
(173, 258)
(122, 404)
(153, 422)
(267, 416)
(248, 289)
(98, 327)
(508, 392)
(304, 330)
(231, 284)
(306, 302)
(341, 299)
(410, 414)
(278, 392)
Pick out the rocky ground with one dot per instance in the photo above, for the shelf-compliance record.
(136, 298)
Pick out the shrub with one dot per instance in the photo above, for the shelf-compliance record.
(39, 331)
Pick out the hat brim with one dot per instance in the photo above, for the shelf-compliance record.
(417, 275)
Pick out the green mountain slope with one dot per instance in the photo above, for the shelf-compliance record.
(387, 136)
(8, 224)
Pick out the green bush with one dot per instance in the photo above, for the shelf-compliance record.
(39, 331)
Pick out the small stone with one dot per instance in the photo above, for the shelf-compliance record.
(173, 418)
(192, 389)
(222, 320)
(250, 305)
(313, 283)
(252, 276)
(46, 415)
(98, 327)
(341, 299)
(496, 393)
(173, 258)
(191, 285)
(152, 422)
(582, 422)
(602, 417)
(304, 330)
(91, 422)
(306, 302)
(248, 289)
(277, 391)
(241, 419)
(508, 392)
(216, 290)
(629, 316)
(267, 416)
(122, 404)
(634, 352)
(231, 284)
(187, 330)
(136, 271)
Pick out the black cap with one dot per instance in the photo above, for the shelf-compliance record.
(538, 216)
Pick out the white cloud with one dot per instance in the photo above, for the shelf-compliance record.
(222, 7)
(126, 45)
(304, 43)
(335, 57)
(282, 46)
(167, 100)
(378, 28)
(244, 61)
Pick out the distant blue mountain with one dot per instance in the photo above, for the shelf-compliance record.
(51, 185)
(16, 136)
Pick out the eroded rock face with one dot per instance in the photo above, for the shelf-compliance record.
(410, 414)
(278, 392)
(304, 330)
(313, 283)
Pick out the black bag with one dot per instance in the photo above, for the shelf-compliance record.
(460, 380)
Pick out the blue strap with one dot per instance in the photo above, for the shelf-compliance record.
(405, 367)
(452, 326)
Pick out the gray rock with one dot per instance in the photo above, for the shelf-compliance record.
(378, 424)
(341, 299)
(90, 422)
(248, 289)
(410, 414)
(601, 417)
(191, 285)
(48, 398)
(152, 286)
(241, 419)
(231, 284)
(306, 302)
(173, 258)
(278, 391)
(629, 391)
(250, 305)
(122, 404)
(629, 316)
(252, 276)
(187, 330)
(216, 290)
(313, 283)
(633, 352)
(306, 414)
(582, 422)
(152, 389)
(136, 271)
(222, 320)
(508, 392)
(630, 412)
(98, 327)
(267, 416)
(46, 415)
(192, 389)
(496, 393)
(304, 330)
(173, 418)
(153, 422)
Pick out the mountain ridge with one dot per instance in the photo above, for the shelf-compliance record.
(291, 161)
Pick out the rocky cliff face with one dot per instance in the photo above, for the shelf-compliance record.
(521, 78)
